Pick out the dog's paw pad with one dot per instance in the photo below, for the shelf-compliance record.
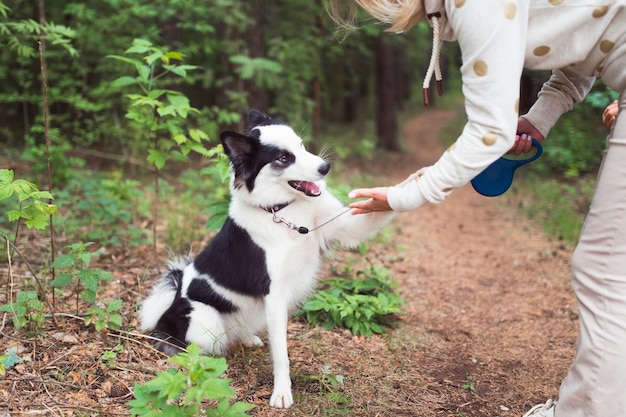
(281, 399)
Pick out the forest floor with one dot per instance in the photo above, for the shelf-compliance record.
(489, 328)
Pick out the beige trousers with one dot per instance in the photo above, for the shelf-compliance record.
(596, 383)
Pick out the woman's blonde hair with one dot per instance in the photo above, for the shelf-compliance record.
(401, 15)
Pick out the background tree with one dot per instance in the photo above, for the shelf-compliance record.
(386, 103)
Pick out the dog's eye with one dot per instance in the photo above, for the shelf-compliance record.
(283, 159)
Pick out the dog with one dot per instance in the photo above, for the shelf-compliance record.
(264, 261)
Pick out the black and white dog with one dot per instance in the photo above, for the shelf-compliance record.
(265, 259)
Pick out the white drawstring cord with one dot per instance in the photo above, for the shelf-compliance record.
(434, 66)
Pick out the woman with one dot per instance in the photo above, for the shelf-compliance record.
(579, 40)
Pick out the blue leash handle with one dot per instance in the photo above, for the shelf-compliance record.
(498, 177)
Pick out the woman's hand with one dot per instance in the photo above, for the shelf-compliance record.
(609, 115)
(523, 139)
(377, 200)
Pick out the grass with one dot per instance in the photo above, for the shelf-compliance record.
(559, 206)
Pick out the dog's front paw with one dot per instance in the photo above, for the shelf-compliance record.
(281, 398)
(252, 341)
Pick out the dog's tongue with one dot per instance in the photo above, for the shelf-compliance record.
(307, 187)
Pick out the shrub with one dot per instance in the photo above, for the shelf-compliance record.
(364, 305)
(182, 392)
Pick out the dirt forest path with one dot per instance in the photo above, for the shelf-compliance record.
(490, 327)
(491, 314)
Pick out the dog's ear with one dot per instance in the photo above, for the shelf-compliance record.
(239, 149)
(236, 145)
(257, 118)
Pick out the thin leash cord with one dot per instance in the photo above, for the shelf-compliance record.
(304, 230)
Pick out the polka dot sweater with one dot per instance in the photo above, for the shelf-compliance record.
(578, 39)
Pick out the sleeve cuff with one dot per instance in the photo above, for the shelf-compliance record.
(544, 114)
(405, 197)
(557, 96)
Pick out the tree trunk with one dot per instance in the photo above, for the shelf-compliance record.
(255, 41)
(402, 79)
(530, 85)
(386, 103)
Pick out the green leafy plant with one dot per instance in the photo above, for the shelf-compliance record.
(219, 171)
(329, 381)
(33, 205)
(470, 385)
(107, 317)
(160, 114)
(183, 391)
(162, 111)
(330, 396)
(27, 312)
(365, 305)
(74, 269)
(10, 358)
(108, 358)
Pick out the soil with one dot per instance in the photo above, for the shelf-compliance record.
(489, 328)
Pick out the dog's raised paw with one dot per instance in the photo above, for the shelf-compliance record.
(281, 399)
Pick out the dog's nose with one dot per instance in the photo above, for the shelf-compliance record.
(324, 168)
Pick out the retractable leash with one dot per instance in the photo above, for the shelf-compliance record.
(498, 177)
(301, 229)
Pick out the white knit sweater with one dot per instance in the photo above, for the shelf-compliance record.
(578, 39)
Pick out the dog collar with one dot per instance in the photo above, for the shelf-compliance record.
(276, 207)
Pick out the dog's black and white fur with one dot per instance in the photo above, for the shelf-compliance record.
(259, 266)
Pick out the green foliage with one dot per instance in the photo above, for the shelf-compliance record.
(103, 207)
(600, 97)
(107, 317)
(32, 206)
(329, 382)
(572, 150)
(574, 146)
(204, 191)
(470, 385)
(74, 269)
(36, 156)
(20, 71)
(265, 72)
(183, 391)
(9, 359)
(283, 51)
(560, 207)
(236, 48)
(364, 304)
(27, 312)
(21, 35)
(160, 112)
(108, 358)
(219, 214)
(84, 108)
(220, 198)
